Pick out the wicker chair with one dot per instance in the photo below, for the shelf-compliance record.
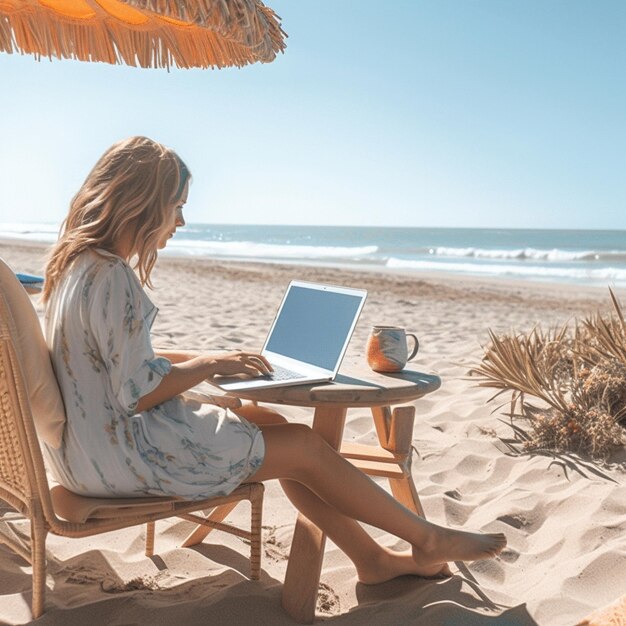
(24, 484)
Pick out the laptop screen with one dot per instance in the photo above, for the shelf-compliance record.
(313, 325)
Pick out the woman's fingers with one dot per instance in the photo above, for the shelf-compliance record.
(262, 364)
(249, 363)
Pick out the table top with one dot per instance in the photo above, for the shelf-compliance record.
(355, 386)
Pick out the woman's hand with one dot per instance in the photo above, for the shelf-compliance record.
(190, 372)
(234, 363)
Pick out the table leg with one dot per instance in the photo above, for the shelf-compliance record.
(395, 433)
(404, 491)
(307, 548)
(382, 422)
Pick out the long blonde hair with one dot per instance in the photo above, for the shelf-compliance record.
(130, 189)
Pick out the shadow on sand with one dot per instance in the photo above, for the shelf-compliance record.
(86, 589)
(452, 601)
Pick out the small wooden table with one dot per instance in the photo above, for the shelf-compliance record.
(356, 386)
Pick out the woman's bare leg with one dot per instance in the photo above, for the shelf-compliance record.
(373, 562)
(294, 452)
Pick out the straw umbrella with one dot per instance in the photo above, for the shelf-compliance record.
(148, 33)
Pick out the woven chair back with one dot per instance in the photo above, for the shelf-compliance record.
(22, 472)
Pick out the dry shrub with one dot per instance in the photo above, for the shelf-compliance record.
(578, 373)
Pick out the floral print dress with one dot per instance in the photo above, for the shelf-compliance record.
(98, 330)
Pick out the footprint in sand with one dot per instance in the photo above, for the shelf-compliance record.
(81, 575)
(149, 583)
(509, 555)
(454, 494)
(274, 548)
(516, 520)
(327, 600)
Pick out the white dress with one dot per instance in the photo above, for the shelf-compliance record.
(98, 330)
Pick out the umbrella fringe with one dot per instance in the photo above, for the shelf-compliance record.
(249, 22)
(154, 43)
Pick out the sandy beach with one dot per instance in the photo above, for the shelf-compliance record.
(565, 518)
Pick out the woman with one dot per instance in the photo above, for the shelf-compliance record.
(129, 431)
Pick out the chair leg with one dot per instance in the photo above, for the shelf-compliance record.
(256, 513)
(218, 514)
(149, 538)
(38, 535)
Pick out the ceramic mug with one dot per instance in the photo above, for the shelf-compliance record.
(387, 349)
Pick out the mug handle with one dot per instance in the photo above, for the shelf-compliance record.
(416, 347)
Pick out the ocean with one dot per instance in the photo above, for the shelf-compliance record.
(590, 257)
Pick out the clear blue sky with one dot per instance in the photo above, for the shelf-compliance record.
(501, 113)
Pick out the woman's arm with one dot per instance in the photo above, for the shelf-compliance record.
(189, 373)
(178, 356)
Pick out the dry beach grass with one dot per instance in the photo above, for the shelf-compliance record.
(578, 372)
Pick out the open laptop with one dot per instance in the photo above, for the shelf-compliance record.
(308, 337)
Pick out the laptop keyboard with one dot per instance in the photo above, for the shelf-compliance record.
(282, 373)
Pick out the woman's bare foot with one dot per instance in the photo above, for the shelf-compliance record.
(446, 544)
(391, 564)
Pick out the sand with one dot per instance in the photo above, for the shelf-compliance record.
(565, 518)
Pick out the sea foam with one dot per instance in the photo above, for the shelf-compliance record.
(520, 254)
(250, 249)
(586, 274)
